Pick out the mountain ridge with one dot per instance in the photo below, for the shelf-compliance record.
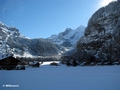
(69, 37)
(14, 42)
(18, 44)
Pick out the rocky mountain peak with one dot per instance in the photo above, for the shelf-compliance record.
(69, 37)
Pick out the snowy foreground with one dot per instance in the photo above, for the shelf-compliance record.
(62, 78)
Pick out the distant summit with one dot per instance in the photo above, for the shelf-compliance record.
(68, 38)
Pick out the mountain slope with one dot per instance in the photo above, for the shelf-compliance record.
(69, 37)
(14, 42)
(102, 35)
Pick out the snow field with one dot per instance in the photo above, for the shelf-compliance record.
(62, 78)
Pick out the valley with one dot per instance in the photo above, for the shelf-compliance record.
(61, 77)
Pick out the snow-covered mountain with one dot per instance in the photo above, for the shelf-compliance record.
(12, 41)
(102, 35)
(69, 37)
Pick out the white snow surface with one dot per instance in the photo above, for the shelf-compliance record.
(62, 78)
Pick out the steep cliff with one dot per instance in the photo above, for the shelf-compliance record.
(102, 35)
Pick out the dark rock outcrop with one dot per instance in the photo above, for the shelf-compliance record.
(102, 35)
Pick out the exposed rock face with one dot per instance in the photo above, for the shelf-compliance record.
(14, 42)
(66, 41)
(69, 37)
(102, 35)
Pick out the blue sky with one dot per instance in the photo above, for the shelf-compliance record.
(42, 18)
